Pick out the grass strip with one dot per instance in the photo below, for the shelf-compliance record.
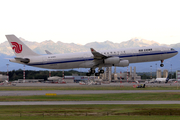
(97, 112)
(98, 97)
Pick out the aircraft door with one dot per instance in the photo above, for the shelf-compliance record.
(85, 57)
(134, 57)
(164, 55)
(45, 59)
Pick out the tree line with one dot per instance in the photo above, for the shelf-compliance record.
(31, 74)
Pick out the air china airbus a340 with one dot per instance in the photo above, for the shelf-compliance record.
(92, 59)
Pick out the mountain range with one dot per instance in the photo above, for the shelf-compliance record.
(61, 47)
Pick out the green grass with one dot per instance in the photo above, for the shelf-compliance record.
(95, 112)
(89, 112)
(80, 87)
(92, 118)
(98, 97)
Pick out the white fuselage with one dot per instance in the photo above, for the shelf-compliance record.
(160, 79)
(86, 59)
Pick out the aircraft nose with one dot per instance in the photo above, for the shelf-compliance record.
(176, 52)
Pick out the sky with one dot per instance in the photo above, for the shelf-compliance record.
(84, 21)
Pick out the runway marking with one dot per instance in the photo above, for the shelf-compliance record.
(50, 94)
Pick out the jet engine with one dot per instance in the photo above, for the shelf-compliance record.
(123, 63)
(112, 60)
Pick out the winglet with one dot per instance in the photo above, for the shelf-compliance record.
(92, 50)
(97, 55)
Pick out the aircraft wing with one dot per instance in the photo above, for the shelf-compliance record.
(98, 55)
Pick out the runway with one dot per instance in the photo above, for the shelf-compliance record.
(68, 92)
(88, 102)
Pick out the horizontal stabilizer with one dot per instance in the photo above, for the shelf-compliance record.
(24, 60)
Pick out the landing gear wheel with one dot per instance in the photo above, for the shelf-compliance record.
(162, 65)
(101, 71)
(88, 74)
(97, 74)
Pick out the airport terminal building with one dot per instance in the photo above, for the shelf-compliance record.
(3, 78)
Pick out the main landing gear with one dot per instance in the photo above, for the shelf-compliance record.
(162, 65)
(92, 71)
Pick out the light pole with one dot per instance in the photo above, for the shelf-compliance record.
(156, 66)
(24, 74)
(49, 73)
(7, 72)
(171, 71)
(156, 70)
(151, 72)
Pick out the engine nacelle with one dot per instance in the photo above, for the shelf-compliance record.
(123, 63)
(112, 60)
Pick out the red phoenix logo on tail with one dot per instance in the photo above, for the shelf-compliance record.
(17, 47)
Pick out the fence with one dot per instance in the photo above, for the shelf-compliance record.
(94, 114)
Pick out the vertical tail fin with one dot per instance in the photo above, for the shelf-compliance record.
(167, 79)
(47, 52)
(19, 48)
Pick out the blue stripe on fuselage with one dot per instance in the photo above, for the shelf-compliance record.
(120, 56)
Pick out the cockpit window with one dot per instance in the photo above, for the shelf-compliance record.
(172, 49)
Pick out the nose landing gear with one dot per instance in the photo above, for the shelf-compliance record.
(101, 71)
(162, 65)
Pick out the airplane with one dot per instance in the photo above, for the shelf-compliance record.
(92, 59)
(165, 80)
(56, 78)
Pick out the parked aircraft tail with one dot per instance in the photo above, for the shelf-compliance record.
(167, 79)
(19, 48)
